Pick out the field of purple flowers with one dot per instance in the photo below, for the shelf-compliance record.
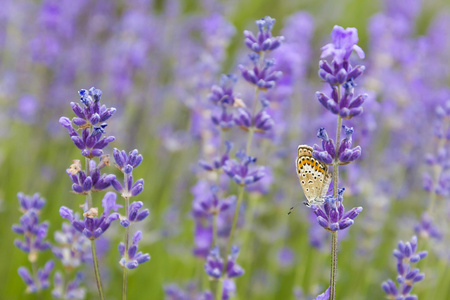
(150, 149)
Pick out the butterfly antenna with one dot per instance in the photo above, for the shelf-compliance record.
(290, 211)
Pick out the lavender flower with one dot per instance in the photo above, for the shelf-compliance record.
(93, 226)
(262, 122)
(90, 142)
(341, 73)
(124, 161)
(223, 93)
(74, 247)
(213, 206)
(41, 281)
(214, 265)
(92, 113)
(241, 172)
(131, 259)
(427, 229)
(223, 119)
(27, 203)
(71, 290)
(407, 277)
(135, 214)
(264, 41)
(95, 182)
(34, 233)
(327, 153)
(126, 165)
(438, 183)
(203, 239)
(263, 77)
(219, 161)
(325, 295)
(344, 43)
(332, 216)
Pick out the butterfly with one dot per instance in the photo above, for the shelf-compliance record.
(313, 175)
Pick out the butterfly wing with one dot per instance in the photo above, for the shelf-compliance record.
(313, 175)
(326, 185)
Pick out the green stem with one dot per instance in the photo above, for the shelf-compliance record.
(233, 226)
(34, 271)
(219, 289)
(127, 237)
(334, 234)
(249, 141)
(214, 229)
(333, 275)
(94, 251)
(96, 270)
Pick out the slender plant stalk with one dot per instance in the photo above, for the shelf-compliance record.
(93, 249)
(127, 237)
(235, 218)
(214, 229)
(437, 170)
(219, 289)
(334, 234)
(96, 270)
(32, 258)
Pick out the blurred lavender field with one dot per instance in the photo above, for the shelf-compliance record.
(161, 65)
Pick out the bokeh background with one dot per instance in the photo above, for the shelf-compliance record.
(155, 61)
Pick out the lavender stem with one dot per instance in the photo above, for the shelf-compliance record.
(93, 249)
(230, 238)
(127, 235)
(96, 269)
(214, 229)
(219, 288)
(334, 235)
(34, 270)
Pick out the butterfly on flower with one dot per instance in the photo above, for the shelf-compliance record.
(313, 175)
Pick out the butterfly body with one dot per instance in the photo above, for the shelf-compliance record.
(313, 175)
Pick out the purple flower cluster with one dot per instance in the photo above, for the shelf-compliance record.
(214, 265)
(87, 117)
(427, 229)
(327, 153)
(95, 181)
(40, 282)
(34, 234)
(332, 216)
(206, 205)
(265, 76)
(126, 164)
(132, 259)
(439, 182)
(219, 161)
(134, 212)
(241, 171)
(345, 106)
(341, 74)
(93, 226)
(261, 123)
(73, 247)
(264, 41)
(215, 213)
(69, 290)
(406, 255)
